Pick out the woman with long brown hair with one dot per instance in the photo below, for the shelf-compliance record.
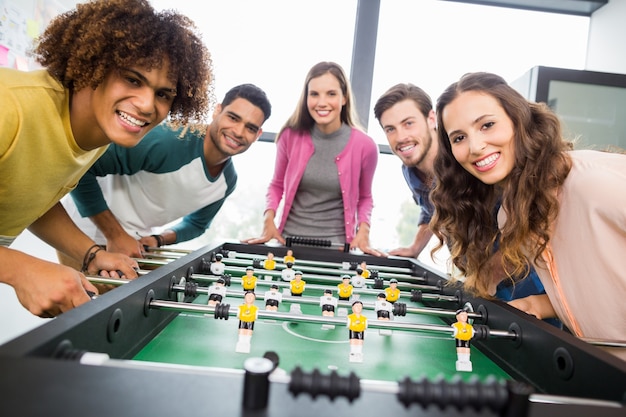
(562, 211)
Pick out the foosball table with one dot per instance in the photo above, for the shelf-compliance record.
(156, 346)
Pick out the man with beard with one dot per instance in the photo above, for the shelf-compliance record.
(405, 112)
(177, 174)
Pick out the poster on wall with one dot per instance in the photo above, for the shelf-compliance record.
(20, 23)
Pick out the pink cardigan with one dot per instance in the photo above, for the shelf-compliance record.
(356, 165)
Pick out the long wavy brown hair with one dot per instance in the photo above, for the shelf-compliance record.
(465, 207)
(82, 46)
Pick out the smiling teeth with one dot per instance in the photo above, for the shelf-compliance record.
(490, 159)
(132, 120)
(228, 138)
(406, 148)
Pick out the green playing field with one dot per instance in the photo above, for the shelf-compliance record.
(201, 340)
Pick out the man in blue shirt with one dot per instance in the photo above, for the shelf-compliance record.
(406, 114)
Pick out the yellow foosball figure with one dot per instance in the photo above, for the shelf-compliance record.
(248, 281)
(392, 293)
(345, 288)
(357, 323)
(297, 284)
(247, 314)
(463, 333)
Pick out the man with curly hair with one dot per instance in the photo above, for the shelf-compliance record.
(113, 70)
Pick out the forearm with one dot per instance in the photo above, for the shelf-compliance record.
(166, 237)
(536, 305)
(57, 229)
(422, 237)
(45, 288)
(117, 239)
(12, 262)
(268, 218)
(110, 227)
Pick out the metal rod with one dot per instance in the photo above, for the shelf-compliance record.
(262, 282)
(203, 290)
(172, 250)
(153, 262)
(340, 303)
(328, 268)
(337, 277)
(303, 318)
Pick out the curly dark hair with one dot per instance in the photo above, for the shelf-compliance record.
(464, 206)
(82, 46)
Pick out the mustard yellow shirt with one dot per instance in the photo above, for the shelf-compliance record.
(297, 287)
(247, 313)
(269, 264)
(248, 283)
(464, 331)
(392, 295)
(357, 323)
(344, 291)
(40, 160)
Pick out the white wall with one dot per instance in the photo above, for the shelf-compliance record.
(607, 33)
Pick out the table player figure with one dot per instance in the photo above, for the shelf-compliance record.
(287, 273)
(297, 284)
(217, 292)
(357, 323)
(328, 303)
(270, 262)
(272, 298)
(345, 288)
(248, 281)
(289, 257)
(365, 272)
(358, 280)
(463, 333)
(384, 311)
(217, 266)
(392, 293)
(247, 314)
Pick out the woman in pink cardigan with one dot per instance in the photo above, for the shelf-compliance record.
(324, 167)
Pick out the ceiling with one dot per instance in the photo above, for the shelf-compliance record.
(573, 7)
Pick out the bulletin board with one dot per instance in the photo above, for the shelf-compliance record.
(21, 21)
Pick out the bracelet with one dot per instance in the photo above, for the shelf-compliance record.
(89, 256)
(159, 239)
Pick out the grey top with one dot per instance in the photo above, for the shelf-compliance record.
(317, 209)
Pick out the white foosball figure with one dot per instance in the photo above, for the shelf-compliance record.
(287, 274)
(328, 303)
(384, 312)
(217, 267)
(358, 281)
(272, 298)
(217, 292)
